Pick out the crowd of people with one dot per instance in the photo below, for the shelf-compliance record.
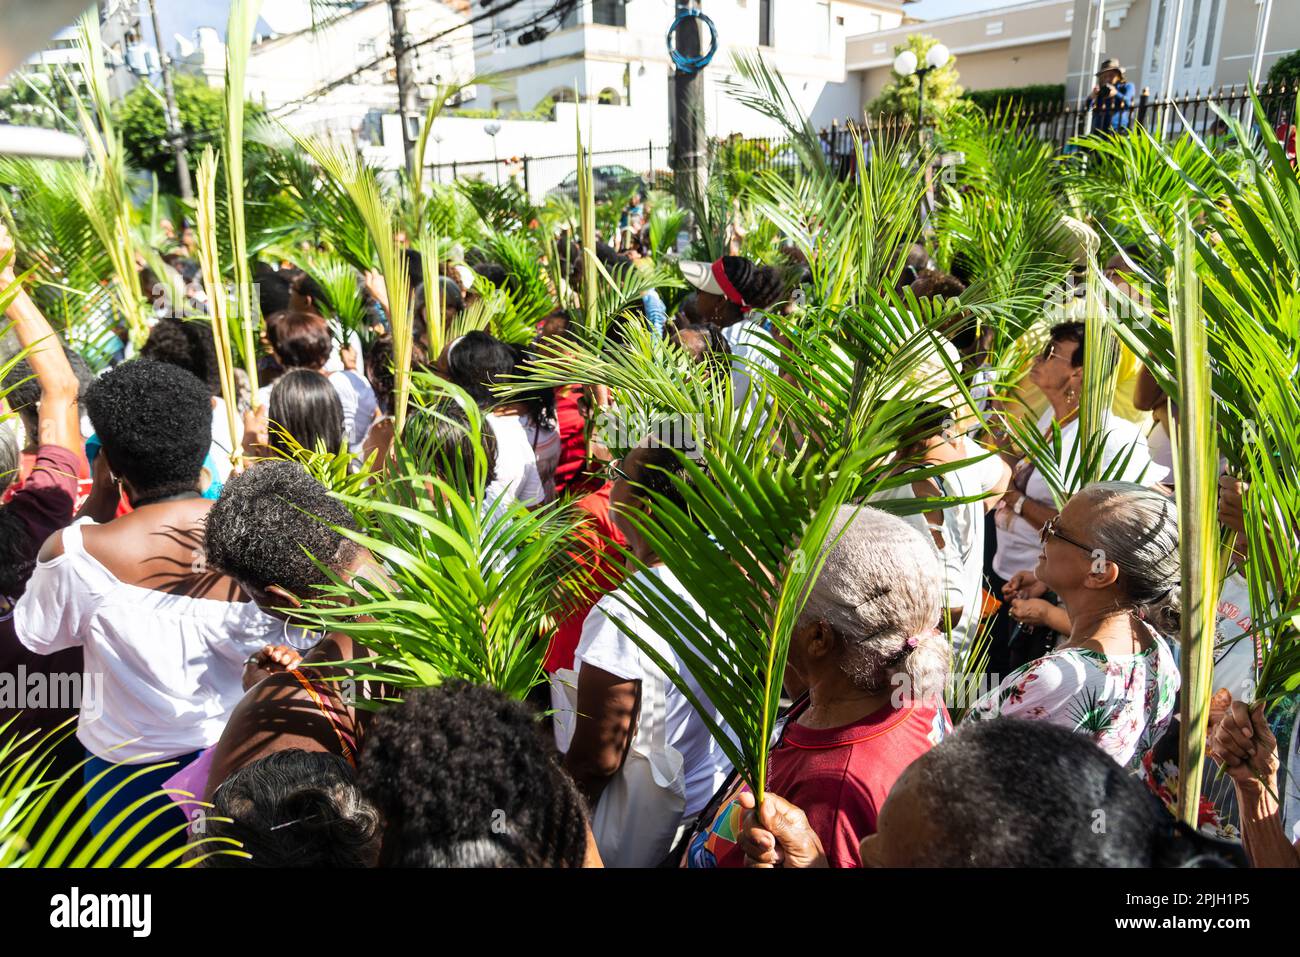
(137, 554)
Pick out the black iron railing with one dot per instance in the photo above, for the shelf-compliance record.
(619, 171)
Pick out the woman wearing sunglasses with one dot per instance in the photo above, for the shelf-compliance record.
(1112, 557)
(1028, 503)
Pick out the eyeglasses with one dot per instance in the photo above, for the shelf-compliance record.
(1049, 530)
(614, 471)
(1048, 353)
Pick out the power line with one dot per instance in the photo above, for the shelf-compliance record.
(560, 7)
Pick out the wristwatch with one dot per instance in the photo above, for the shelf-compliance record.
(1019, 507)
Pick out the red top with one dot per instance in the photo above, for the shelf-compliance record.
(43, 504)
(572, 426)
(598, 558)
(839, 777)
(27, 462)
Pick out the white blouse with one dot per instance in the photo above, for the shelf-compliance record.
(162, 672)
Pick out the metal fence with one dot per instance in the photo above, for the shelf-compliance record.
(616, 172)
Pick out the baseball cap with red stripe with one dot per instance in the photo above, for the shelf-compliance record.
(712, 278)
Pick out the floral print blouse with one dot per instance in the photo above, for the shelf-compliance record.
(1123, 702)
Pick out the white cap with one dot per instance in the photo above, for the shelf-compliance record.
(700, 275)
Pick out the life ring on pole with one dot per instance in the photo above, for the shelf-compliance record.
(691, 64)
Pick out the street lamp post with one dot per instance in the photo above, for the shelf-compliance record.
(906, 64)
(492, 129)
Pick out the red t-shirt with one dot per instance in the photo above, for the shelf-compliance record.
(601, 561)
(572, 426)
(44, 504)
(839, 777)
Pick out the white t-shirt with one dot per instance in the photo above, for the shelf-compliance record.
(1018, 545)
(748, 343)
(222, 443)
(517, 474)
(171, 666)
(546, 447)
(359, 406)
(604, 645)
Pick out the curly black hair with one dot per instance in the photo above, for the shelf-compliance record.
(267, 523)
(465, 777)
(187, 344)
(295, 808)
(154, 421)
(18, 550)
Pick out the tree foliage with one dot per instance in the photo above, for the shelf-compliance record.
(899, 97)
(143, 124)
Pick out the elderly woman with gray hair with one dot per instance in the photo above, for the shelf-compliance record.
(868, 651)
(1112, 557)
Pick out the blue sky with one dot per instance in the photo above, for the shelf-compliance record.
(933, 9)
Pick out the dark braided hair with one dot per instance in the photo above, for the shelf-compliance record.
(465, 777)
(760, 286)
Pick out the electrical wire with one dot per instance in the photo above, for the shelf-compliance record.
(691, 64)
(560, 7)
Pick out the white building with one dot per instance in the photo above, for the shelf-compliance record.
(614, 52)
(338, 75)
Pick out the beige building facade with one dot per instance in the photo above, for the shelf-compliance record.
(1216, 42)
(1019, 45)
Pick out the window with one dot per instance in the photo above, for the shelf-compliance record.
(570, 18)
(1212, 25)
(765, 23)
(611, 13)
(1157, 38)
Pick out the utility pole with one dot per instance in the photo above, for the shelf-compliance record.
(404, 57)
(175, 137)
(688, 112)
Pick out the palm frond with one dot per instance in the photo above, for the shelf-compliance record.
(466, 585)
(747, 546)
(39, 828)
(1196, 460)
(239, 37)
(218, 302)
